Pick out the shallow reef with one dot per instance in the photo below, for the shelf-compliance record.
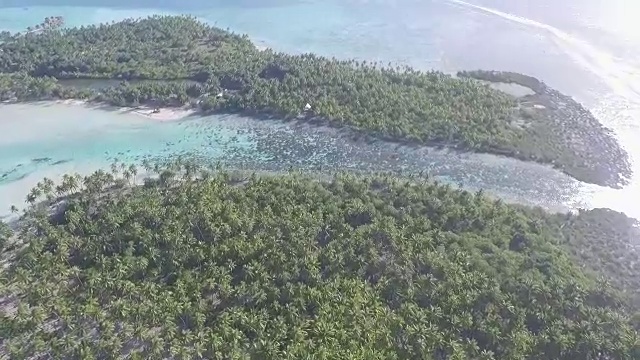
(561, 131)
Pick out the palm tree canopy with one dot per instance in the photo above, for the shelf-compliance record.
(287, 266)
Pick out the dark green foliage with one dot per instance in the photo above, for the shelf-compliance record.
(155, 48)
(563, 132)
(291, 267)
(5, 234)
(608, 242)
(25, 87)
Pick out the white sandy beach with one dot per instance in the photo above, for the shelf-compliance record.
(49, 139)
(14, 193)
(50, 128)
(161, 114)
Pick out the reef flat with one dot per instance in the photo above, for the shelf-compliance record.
(561, 131)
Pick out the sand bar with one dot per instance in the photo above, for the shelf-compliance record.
(158, 114)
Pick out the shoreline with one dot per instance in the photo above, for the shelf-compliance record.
(162, 114)
(431, 158)
(275, 148)
(546, 127)
(169, 114)
(599, 157)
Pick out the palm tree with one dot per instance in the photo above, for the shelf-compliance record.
(133, 170)
(33, 195)
(114, 169)
(69, 183)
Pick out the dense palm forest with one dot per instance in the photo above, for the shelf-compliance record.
(203, 264)
(198, 263)
(396, 103)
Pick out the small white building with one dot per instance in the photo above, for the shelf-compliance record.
(307, 107)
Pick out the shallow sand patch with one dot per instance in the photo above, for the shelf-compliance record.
(159, 114)
(92, 139)
(164, 114)
(513, 89)
(15, 193)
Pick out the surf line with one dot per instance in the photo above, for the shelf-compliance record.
(621, 77)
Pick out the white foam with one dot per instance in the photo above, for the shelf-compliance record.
(620, 76)
(617, 110)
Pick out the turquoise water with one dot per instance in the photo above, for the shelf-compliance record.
(86, 138)
(578, 47)
(72, 133)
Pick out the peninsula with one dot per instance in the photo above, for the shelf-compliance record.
(178, 61)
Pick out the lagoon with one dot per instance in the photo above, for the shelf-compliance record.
(52, 138)
(49, 139)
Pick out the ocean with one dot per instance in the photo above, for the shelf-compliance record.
(587, 49)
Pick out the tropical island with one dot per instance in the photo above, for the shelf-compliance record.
(184, 260)
(199, 263)
(178, 61)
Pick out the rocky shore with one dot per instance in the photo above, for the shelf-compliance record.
(561, 131)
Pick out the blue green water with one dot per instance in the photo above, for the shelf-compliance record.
(579, 47)
(78, 134)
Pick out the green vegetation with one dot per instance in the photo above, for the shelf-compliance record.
(199, 264)
(5, 234)
(563, 131)
(395, 103)
(608, 242)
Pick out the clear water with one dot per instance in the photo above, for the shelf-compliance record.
(587, 49)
